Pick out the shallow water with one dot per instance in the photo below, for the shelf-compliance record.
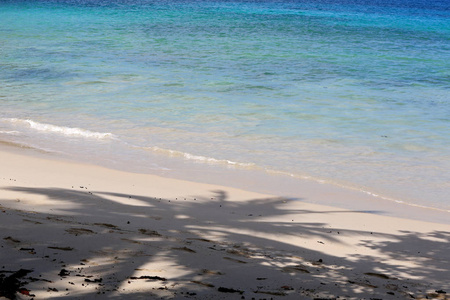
(351, 93)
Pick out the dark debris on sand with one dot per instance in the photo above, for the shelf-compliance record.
(10, 285)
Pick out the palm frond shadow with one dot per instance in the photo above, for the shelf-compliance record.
(177, 250)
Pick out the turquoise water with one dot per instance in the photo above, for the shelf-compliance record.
(349, 93)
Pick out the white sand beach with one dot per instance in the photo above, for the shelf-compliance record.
(74, 231)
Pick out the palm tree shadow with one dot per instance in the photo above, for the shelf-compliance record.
(208, 244)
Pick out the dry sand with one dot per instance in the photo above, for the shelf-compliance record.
(73, 231)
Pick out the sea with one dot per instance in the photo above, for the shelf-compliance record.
(258, 94)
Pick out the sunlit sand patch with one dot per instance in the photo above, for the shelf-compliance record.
(125, 200)
(182, 217)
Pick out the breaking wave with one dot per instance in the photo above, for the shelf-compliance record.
(68, 131)
(198, 158)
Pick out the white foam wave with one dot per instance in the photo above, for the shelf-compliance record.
(199, 158)
(10, 132)
(69, 131)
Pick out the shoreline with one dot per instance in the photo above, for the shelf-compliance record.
(246, 174)
(83, 231)
(305, 190)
